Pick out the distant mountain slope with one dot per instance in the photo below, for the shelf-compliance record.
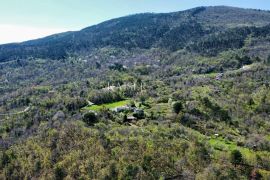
(233, 17)
(193, 29)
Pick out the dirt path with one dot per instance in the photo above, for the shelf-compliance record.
(16, 113)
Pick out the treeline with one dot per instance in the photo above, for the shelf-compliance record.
(111, 95)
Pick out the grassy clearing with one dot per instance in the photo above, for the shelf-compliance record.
(221, 145)
(108, 106)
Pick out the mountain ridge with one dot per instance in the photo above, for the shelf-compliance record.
(139, 31)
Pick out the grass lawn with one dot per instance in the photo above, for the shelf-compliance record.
(109, 105)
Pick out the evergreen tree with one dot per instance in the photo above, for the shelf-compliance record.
(177, 107)
(236, 157)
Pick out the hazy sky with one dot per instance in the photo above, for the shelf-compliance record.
(28, 19)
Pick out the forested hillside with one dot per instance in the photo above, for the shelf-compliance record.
(181, 95)
(224, 27)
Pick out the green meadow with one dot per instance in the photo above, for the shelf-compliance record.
(107, 106)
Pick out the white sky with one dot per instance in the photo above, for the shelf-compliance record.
(18, 33)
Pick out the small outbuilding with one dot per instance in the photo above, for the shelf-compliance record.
(219, 76)
(121, 109)
(131, 118)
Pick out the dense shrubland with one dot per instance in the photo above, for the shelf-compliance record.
(203, 90)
